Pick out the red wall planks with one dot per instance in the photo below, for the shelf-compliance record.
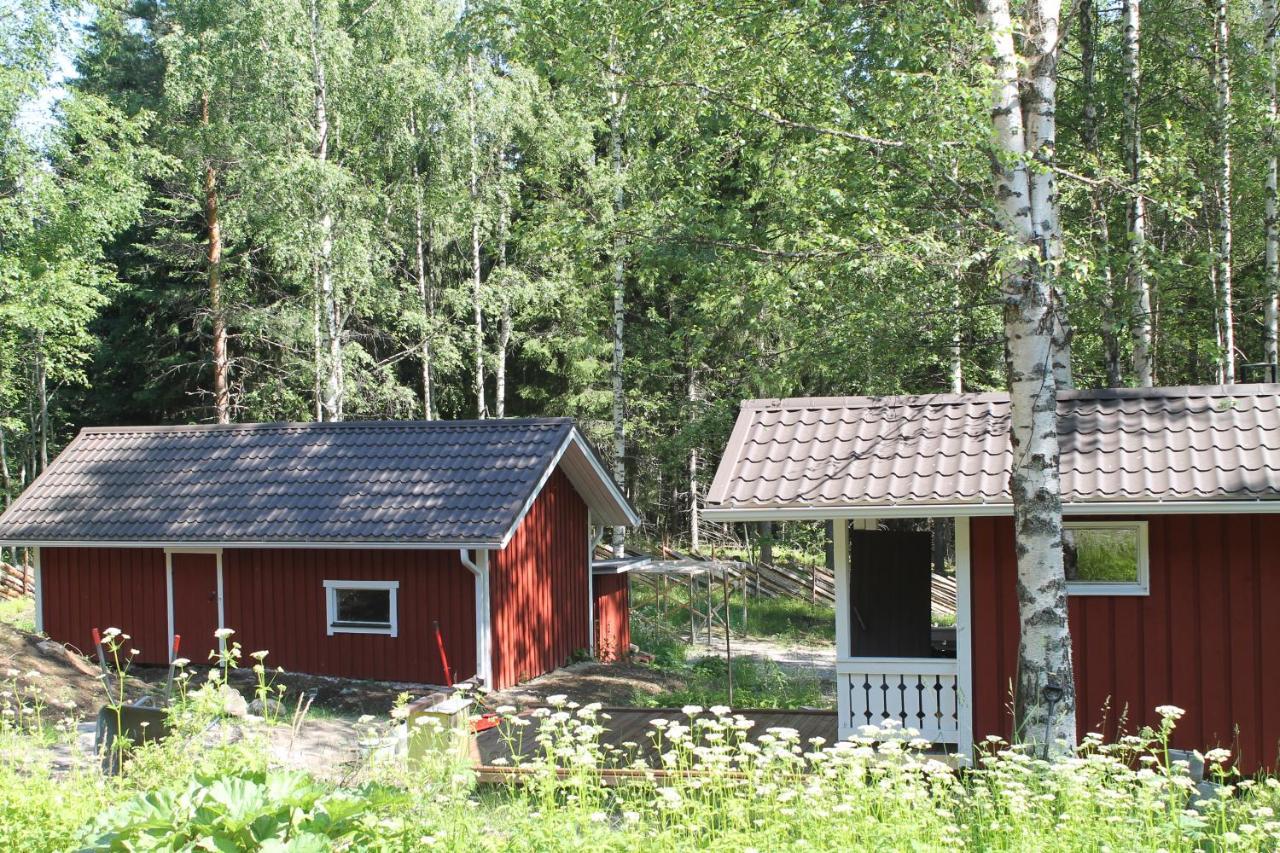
(275, 600)
(538, 587)
(1200, 640)
(86, 588)
(613, 617)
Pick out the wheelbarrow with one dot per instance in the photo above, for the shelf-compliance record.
(143, 721)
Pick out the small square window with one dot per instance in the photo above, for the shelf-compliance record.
(361, 607)
(1105, 557)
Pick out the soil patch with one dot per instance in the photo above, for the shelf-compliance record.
(66, 680)
(610, 684)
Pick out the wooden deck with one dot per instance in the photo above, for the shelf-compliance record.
(631, 725)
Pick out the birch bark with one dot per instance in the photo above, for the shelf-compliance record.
(1026, 202)
(477, 293)
(1222, 84)
(504, 319)
(330, 370)
(426, 299)
(1136, 284)
(1271, 304)
(213, 263)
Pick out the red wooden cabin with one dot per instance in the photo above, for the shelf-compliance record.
(338, 547)
(1171, 499)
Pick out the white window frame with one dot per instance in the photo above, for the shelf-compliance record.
(331, 588)
(1142, 586)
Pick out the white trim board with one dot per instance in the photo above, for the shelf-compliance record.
(964, 637)
(807, 512)
(39, 591)
(331, 588)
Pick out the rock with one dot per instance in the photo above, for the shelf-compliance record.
(233, 703)
(269, 708)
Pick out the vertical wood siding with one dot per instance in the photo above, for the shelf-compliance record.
(538, 587)
(613, 617)
(1205, 639)
(275, 600)
(87, 588)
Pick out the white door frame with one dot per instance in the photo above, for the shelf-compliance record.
(39, 590)
(168, 591)
(964, 628)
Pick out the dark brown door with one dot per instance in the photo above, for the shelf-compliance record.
(889, 588)
(195, 604)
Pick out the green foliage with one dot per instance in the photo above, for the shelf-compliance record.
(18, 612)
(273, 810)
(756, 684)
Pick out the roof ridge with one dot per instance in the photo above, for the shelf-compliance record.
(947, 398)
(318, 426)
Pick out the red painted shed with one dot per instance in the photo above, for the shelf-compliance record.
(1171, 499)
(354, 549)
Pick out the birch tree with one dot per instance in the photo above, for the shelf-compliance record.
(1023, 120)
(213, 259)
(617, 105)
(1222, 149)
(1139, 290)
(1271, 296)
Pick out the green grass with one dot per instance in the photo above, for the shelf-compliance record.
(18, 612)
(756, 684)
(786, 619)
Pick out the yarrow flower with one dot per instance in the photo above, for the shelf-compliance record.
(1170, 712)
(223, 633)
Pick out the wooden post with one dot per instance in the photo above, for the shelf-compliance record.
(728, 643)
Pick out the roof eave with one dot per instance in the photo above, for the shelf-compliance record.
(801, 512)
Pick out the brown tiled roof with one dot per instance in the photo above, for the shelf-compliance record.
(391, 482)
(1120, 445)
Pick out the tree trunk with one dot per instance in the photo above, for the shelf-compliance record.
(331, 382)
(1136, 285)
(765, 531)
(473, 184)
(619, 304)
(42, 403)
(1097, 197)
(1026, 210)
(504, 320)
(1222, 83)
(1271, 310)
(213, 259)
(695, 532)
(426, 299)
(6, 480)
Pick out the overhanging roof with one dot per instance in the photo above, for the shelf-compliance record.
(1142, 450)
(381, 483)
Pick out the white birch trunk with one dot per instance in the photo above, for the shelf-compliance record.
(504, 320)
(1222, 83)
(1026, 210)
(477, 293)
(331, 383)
(1271, 298)
(42, 401)
(213, 264)
(695, 524)
(1136, 284)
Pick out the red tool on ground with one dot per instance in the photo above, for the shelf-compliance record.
(444, 658)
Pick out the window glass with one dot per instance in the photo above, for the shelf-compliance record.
(1101, 554)
(363, 607)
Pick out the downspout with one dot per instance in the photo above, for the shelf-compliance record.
(595, 535)
(484, 629)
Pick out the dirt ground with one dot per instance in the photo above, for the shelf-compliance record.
(63, 676)
(607, 683)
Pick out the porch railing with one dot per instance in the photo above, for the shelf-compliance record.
(916, 693)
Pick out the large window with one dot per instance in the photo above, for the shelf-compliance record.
(1105, 557)
(361, 607)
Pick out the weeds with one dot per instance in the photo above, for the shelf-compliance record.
(702, 778)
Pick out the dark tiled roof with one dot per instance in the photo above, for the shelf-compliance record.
(1124, 445)
(405, 482)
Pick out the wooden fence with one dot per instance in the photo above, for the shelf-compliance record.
(16, 581)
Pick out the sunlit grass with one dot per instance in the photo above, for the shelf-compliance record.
(18, 612)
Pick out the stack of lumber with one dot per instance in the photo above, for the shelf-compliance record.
(15, 582)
